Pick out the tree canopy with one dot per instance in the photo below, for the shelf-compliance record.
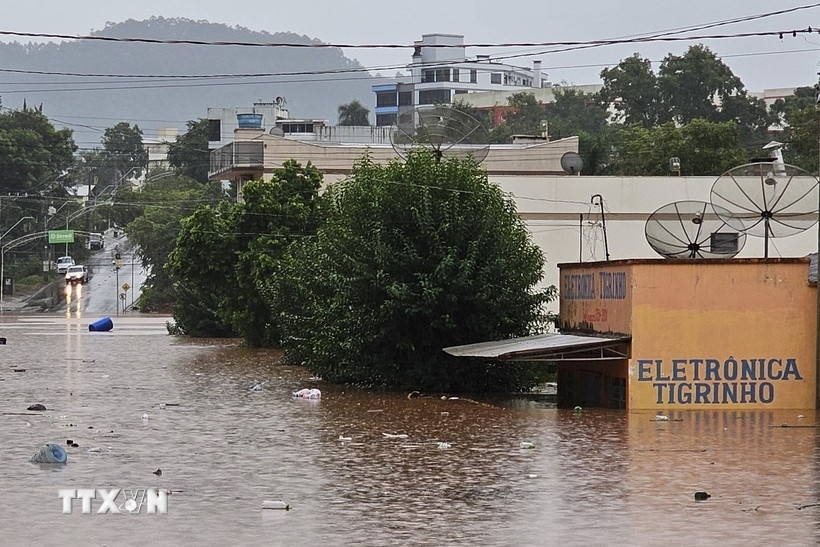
(413, 256)
(123, 145)
(32, 151)
(353, 113)
(189, 155)
(223, 254)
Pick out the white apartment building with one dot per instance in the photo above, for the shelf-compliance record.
(440, 71)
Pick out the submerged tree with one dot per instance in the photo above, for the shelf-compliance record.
(413, 257)
(223, 254)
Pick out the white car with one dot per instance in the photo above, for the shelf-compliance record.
(63, 263)
(76, 274)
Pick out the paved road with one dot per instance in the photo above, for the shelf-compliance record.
(103, 294)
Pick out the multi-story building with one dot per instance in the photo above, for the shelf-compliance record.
(440, 72)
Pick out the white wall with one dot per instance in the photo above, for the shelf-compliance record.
(551, 205)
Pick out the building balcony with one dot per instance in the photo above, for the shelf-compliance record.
(247, 156)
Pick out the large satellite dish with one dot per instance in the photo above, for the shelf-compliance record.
(447, 131)
(692, 229)
(766, 199)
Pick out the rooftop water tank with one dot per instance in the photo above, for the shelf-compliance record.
(249, 121)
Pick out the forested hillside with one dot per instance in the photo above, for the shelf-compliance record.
(70, 78)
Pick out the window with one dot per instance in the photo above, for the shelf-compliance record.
(297, 127)
(724, 242)
(443, 75)
(405, 98)
(385, 119)
(473, 76)
(428, 76)
(214, 130)
(386, 98)
(434, 96)
(495, 78)
(455, 74)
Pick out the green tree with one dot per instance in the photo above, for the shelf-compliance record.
(223, 254)
(271, 217)
(414, 256)
(151, 216)
(353, 113)
(189, 155)
(801, 138)
(200, 267)
(694, 85)
(631, 87)
(123, 145)
(524, 117)
(32, 151)
(704, 148)
(574, 111)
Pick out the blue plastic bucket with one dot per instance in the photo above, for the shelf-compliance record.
(101, 325)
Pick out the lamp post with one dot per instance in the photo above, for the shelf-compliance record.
(3, 261)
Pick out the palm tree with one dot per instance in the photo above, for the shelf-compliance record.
(353, 113)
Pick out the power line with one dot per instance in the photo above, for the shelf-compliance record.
(478, 45)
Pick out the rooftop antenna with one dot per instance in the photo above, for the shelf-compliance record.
(603, 221)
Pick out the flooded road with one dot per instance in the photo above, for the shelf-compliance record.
(596, 477)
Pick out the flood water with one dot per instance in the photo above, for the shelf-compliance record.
(596, 477)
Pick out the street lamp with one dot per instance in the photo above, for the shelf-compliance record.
(3, 261)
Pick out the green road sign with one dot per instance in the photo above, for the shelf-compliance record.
(61, 236)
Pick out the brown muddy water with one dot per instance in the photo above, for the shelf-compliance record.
(597, 477)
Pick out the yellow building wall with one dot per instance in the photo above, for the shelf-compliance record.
(734, 334)
(706, 334)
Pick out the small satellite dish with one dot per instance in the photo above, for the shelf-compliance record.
(572, 163)
(280, 101)
(447, 131)
(766, 199)
(277, 131)
(692, 229)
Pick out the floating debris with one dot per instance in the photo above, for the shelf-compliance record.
(145, 416)
(50, 453)
(577, 409)
(395, 435)
(38, 407)
(526, 444)
(702, 496)
(270, 504)
(158, 472)
(307, 393)
(444, 445)
(345, 439)
(94, 450)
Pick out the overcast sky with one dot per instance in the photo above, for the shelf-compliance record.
(760, 62)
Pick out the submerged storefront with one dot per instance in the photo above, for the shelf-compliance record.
(732, 334)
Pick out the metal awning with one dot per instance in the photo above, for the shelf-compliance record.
(548, 347)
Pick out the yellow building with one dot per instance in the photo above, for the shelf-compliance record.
(703, 334)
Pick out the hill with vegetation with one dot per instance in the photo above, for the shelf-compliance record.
(89, 85)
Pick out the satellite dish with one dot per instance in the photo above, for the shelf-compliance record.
(572, 163)
(447, 131)
(766, 199)
(277, 131)
(692, 229)
(279, 100)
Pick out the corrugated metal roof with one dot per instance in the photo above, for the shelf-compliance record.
(536, 347)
